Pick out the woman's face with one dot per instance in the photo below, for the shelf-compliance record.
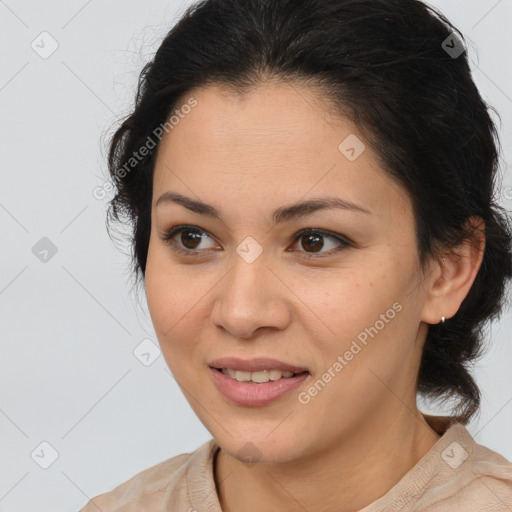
(249, 285)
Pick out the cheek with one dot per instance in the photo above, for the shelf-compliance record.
(349, 300)
(161, 299)
(173, 328)
(363, 317)
(176, 297)
(166, 294)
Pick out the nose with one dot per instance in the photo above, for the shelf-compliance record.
(251, 297)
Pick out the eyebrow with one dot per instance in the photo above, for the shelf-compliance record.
(280, 215)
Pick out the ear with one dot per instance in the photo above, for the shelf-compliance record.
(453, 275)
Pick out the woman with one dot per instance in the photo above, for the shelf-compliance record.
(310, 185)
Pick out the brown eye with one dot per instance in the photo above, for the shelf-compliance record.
(190, 239)
(313, 241)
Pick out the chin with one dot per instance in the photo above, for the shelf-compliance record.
(260, 448)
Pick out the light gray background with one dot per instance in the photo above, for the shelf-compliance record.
(68, 374)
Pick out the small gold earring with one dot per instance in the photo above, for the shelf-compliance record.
(443, 319)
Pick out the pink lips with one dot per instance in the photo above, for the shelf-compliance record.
(252, 394)
(254, 365)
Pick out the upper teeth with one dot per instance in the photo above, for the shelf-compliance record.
(261, 376)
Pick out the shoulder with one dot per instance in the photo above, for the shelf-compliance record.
(457, 473)
(469, 477)
(151, 487)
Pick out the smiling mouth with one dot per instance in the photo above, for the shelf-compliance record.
(259, 377)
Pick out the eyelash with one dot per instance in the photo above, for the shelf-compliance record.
(169, 236)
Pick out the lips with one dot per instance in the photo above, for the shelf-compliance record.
(250, 394)
(255, 365)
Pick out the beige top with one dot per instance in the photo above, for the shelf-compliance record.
(456, 474)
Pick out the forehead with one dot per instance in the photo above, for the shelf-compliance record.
(269, 114)
(277, 139)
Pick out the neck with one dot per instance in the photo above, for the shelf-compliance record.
(360, 468)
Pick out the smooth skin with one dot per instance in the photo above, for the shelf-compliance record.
(299, 301)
